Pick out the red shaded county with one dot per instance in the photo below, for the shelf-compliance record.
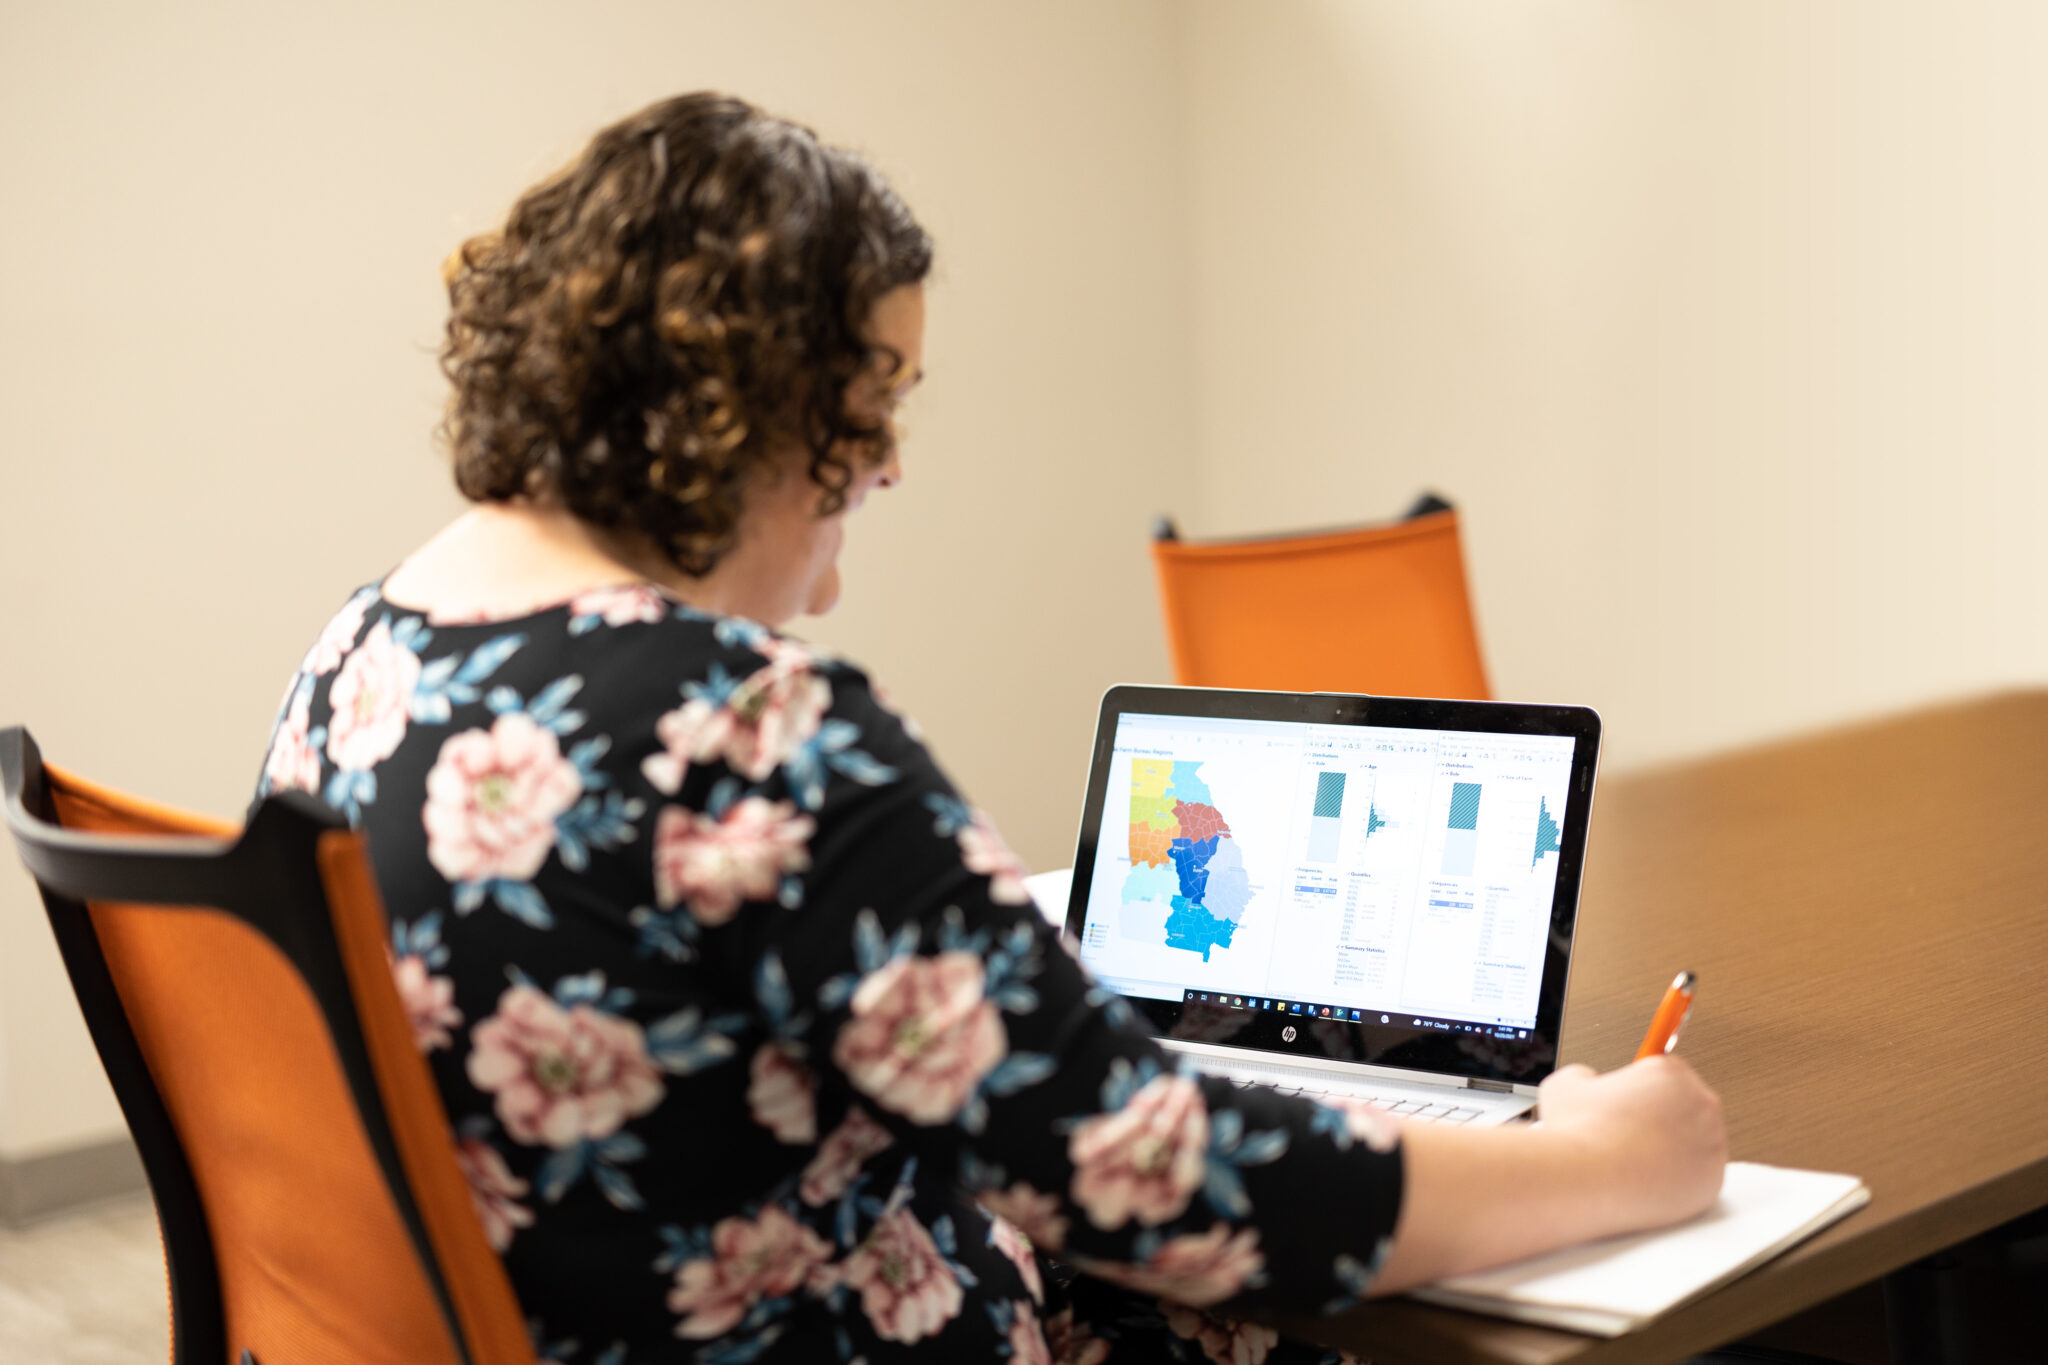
(1150, 844)
(1199, 822)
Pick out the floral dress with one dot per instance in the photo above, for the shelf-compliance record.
(754, 1045)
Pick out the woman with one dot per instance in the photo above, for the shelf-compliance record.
(755, 1047)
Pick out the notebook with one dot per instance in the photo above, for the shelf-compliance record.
(1614, 1286)
(1342, 895)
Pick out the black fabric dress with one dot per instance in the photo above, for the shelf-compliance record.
(755, 1046)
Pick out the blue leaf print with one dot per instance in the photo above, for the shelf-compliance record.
(485, 658)
(739, 1352)
(614, 1354)
(771, 988)
(849, 1211)
(1018, 1071)
(737, 632)
(600, 823)
(562, 1170)
(420, 939)
(716, 689)
(806, 768)
(549, 702)
(582, 989)
(453, 679)
(1225, 1127)
(544, 1350)
(679, 1247)
(953, 935)
(721, 798)
(469, 895)
(522, 901)
(348, 792)
(1261, 1147)
(411, 633)
(974, 1114)
(1356, 1276)
(837, 990)
(503, 701)
(617, 1187)
(904, 944)
(870, 949)
(979, 1173)
(1125, 1080)
(670, 933)
(584, 755)
(950, 813)
(1225, 1190)
(1113, 1006)
(686, 1042)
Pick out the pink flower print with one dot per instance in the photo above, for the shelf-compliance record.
(294, 764)
(370, 696)
(715, 864)
(492, 799)
(1036, 1214)
(764, 1258)
(561, 1075)
(622, 605)
(841, 1155)
(765, 719)
(1027, 1338)
(494, 1190)
(906, 1288)
(1009, 1239)
(1224, 1340)
(429, 1002)
(338, 637)
(1197, 1268)
(1073, 1343)
(1146, 1159)
(984, 851)
(921, 1036)
(781, 1096)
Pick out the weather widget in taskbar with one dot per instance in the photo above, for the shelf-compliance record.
(1346, 1014)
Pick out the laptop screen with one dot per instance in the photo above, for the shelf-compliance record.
(1376, 864)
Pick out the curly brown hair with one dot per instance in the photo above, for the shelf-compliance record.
(654, 323)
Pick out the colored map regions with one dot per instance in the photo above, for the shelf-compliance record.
(1175, 823)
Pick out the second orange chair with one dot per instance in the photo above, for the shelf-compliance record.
(1380, 609)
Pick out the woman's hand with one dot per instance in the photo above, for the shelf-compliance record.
(1653, 1126)
(1632, 1149)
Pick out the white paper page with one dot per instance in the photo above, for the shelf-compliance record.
(1610, 1286)
(1049, 890)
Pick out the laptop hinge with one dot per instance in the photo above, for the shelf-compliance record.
(1497, 1087)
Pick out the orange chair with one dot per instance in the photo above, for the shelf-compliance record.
(1379, 609)
(237, 987)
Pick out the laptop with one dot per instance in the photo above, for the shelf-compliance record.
(1340, 895)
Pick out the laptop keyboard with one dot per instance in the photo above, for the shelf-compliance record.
(1409, 1108)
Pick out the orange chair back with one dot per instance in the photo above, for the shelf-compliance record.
(305, 1172)
(1382, 609)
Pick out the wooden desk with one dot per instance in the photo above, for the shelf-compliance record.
(1868, 913)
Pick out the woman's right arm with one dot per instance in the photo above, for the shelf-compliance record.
(1631, 1149)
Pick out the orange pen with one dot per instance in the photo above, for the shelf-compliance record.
(1670, 1016)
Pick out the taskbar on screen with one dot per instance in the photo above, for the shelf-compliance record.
(1489, 1028)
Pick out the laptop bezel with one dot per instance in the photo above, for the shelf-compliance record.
(1398, 1045)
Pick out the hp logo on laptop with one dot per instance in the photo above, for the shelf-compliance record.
(1288, 1033)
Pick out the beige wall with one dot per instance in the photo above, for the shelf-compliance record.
(1724, 321)
(217, 271)
(1727, 323)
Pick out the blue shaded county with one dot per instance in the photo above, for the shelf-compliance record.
(1191, 861)
(1189, 788)
(1191, 924)
(1192, 927)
